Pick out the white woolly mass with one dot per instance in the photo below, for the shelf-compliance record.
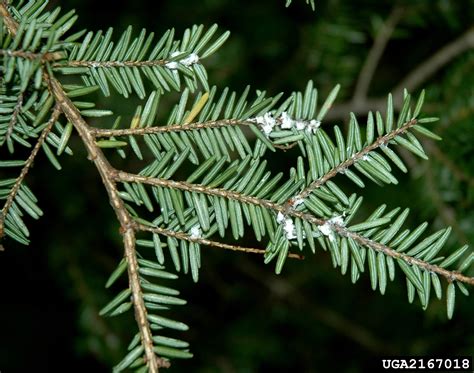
(339, 220)
(196, 232)
(289, 228)
(172, 65)
(188, 61)
(300, 125)
(328, 228)
(313, 125)
(267, 122)
(284, 121)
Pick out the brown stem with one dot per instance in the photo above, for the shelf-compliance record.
(126, 223)
(224, 193)
(109, 64)
(28, 163)
(99, 132)
(43, 57)
(205, 241)
(12, 25)
(449, 275)
(14, 118)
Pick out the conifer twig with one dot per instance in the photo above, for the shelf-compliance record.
(339, 229)
(450, 276)
(28, 163)
(111, 64)
(104, 132)
(43, 57)
(205, 241)
(14, 118)
(383, 140)
(123, 176)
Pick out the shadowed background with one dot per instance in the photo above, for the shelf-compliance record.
(242, 317)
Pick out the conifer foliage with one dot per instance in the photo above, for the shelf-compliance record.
(165, 217)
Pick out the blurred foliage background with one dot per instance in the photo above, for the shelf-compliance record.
(243, 318)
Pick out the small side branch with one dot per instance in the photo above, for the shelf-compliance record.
(43, 57)
(29, 162)
(449, 275)
(99, 132)
(349, 162)
(111, 64)
(205, 241)
(14, 118)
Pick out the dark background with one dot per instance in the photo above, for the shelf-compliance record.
(244, 318)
